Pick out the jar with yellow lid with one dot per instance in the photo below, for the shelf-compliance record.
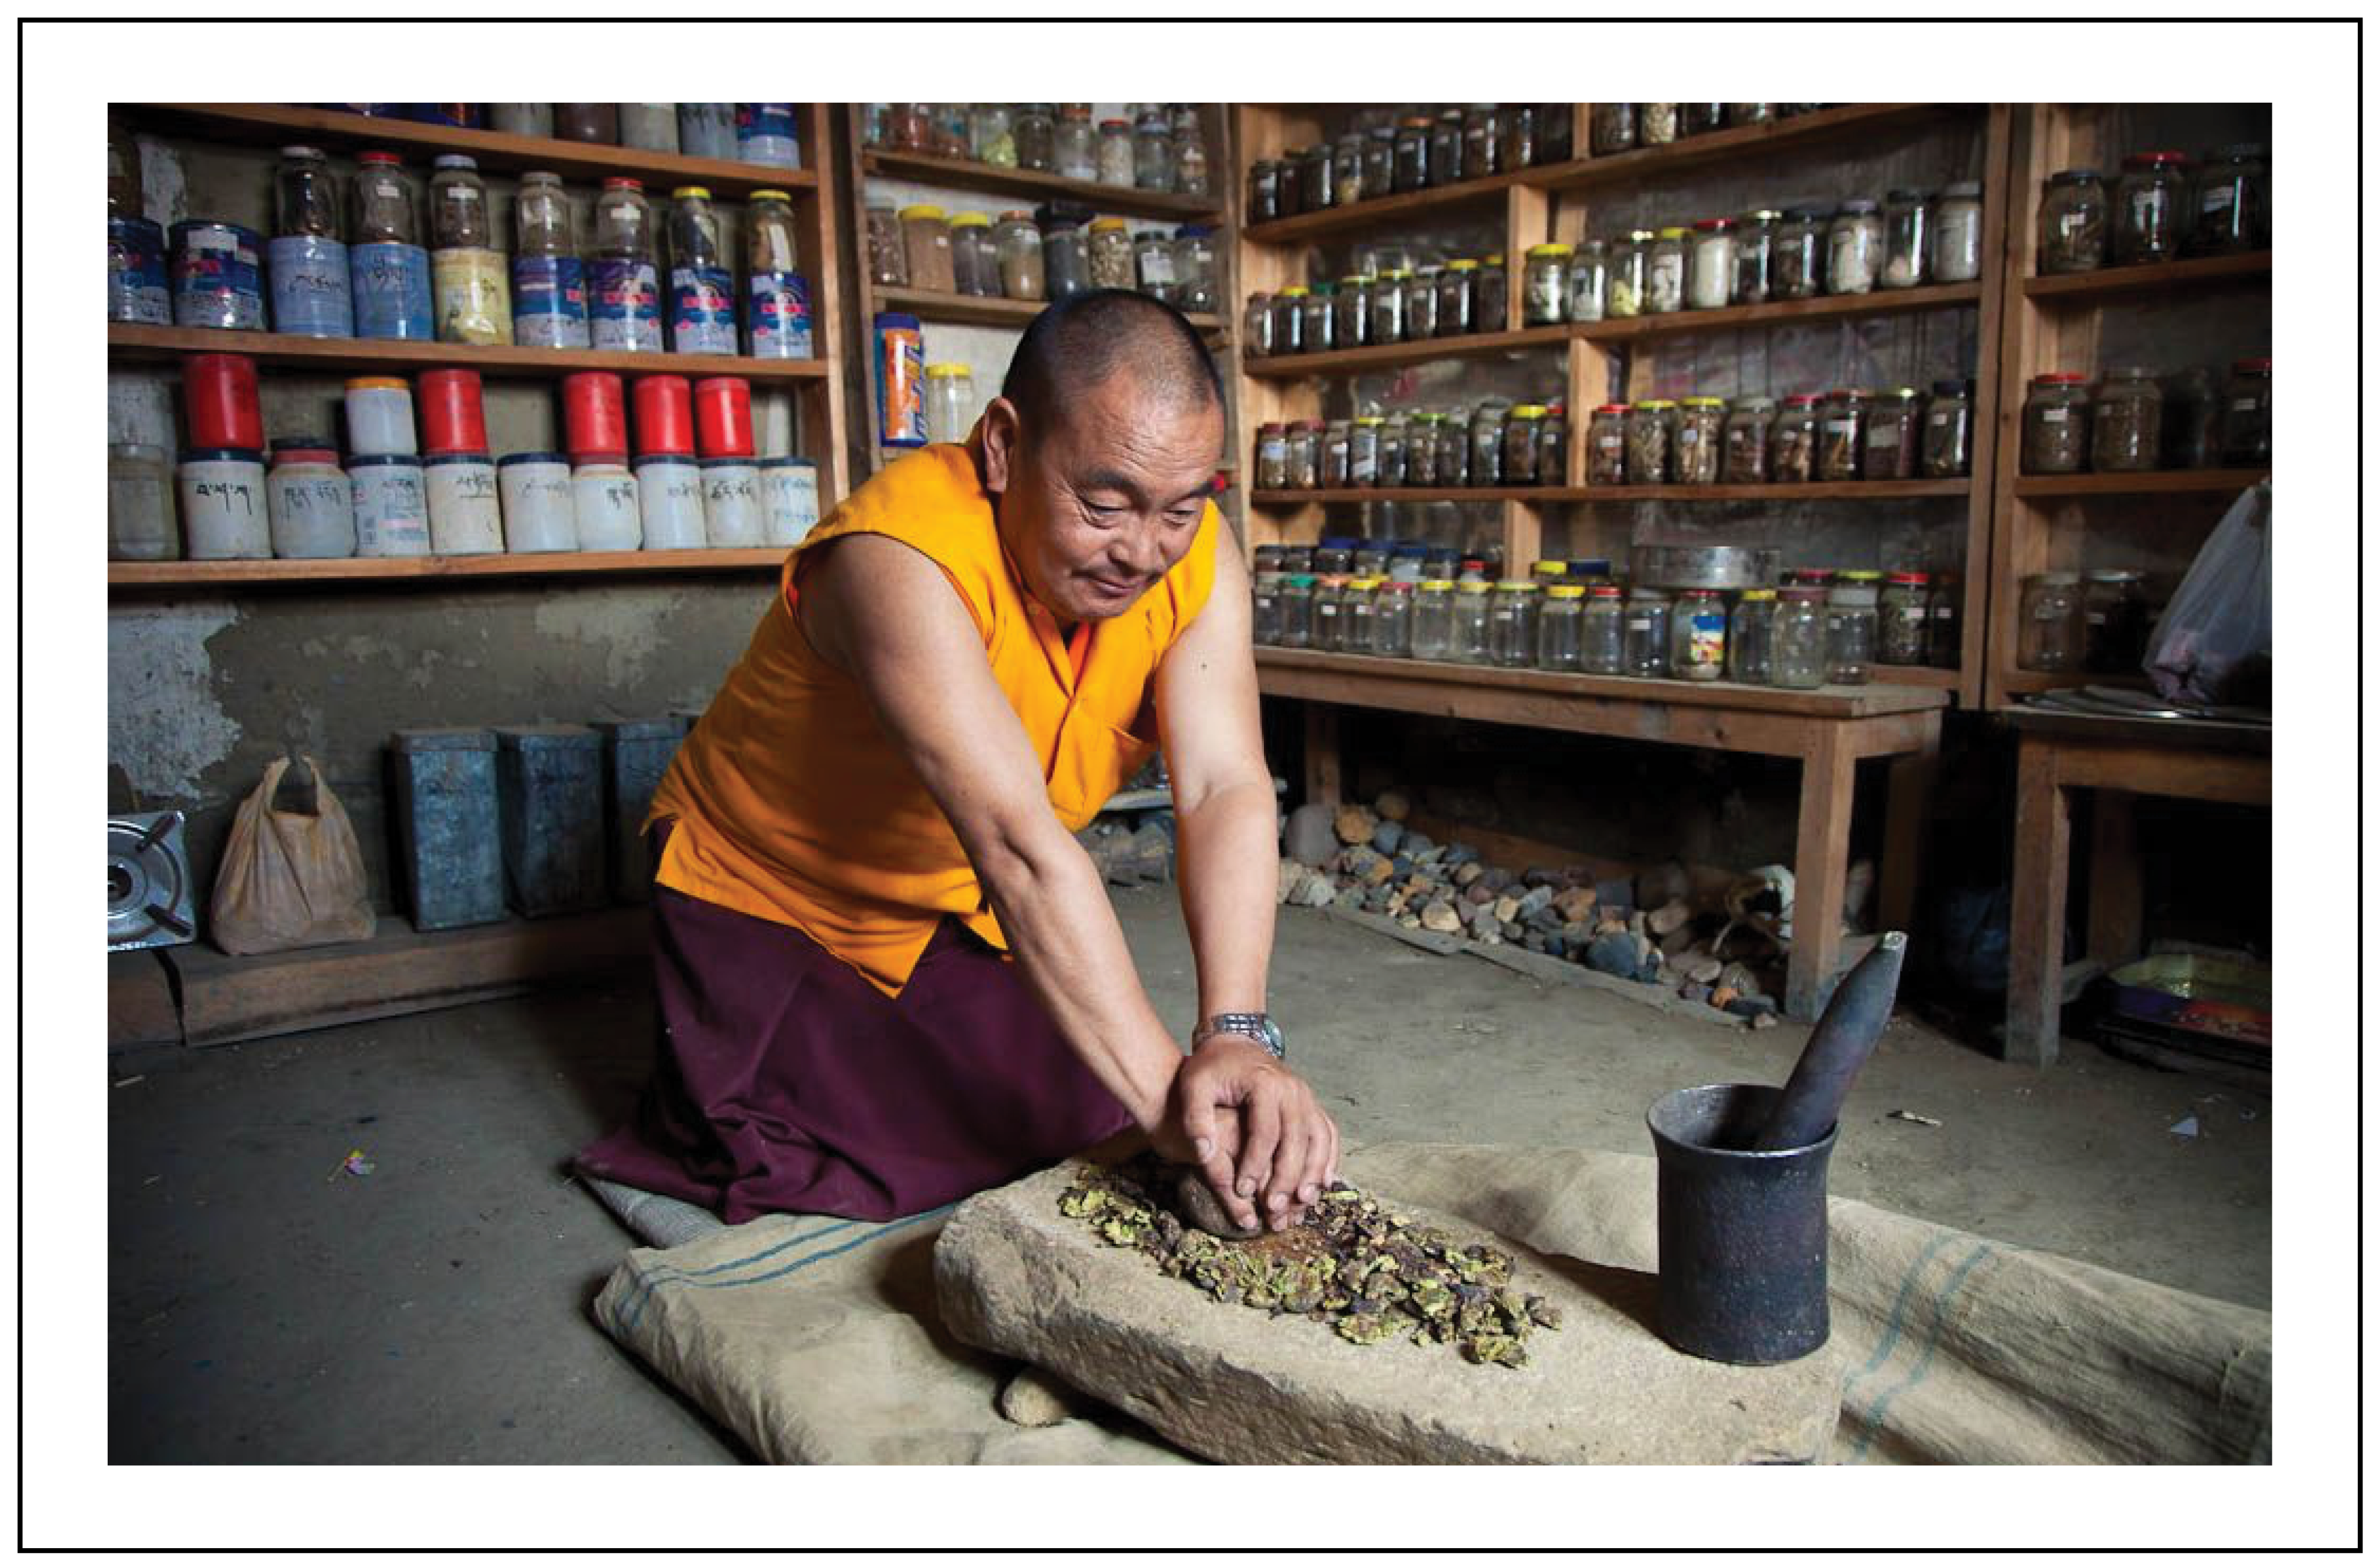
(1392, 612)
(1469, 643)
(1512, 624)
(1665, 273)
(1698, 636)
(1489, 294)
(1388, 300)
(1562, 623)
(1751, 637)
(1421, 448)
(1421, 304)
(1350, 312)
(1603, 641)
(1649, 428)
(975, 261)
(1700, 439)
(1851, 616)
(1356, 601)
(950, 402)
(1458, 302)
(1631, 261)
(1112, 260)
(1521, 443)
(1433, 618)
(1545, 285)
(1288, 318)
(926, 244)
(1545, 573)
(1363, 451)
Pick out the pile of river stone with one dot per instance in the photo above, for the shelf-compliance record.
(1365, 858)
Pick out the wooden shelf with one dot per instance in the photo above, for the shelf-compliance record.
(2156, 277)
(1386, 356)
(393, 356)
(271, 125)
(1459, 494)
(1479, 194)
(1554, 495)
(964, 173)
(1878, 302)
(1826, 702)
(972, 310)
(2164, 481)
(573, 564)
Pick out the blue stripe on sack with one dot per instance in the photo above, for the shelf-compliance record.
(666, 1271)
(1898, 1317)
(1873, 1422)
(797, 1265)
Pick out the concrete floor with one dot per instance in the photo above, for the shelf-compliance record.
(265, 1306)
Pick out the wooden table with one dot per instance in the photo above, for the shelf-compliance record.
(1829, 731)
(2117, 758)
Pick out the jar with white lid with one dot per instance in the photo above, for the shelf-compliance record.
(391, 507)
(465, 518)
(1512, 624)
(1710, 272)
(1956, 251)
(669, 503)
(789, 499)
(222, 492)
(1392, 614)
(609, 517)
(533, 489)
(1798, 642)
(1561, 625)
(313, 509)
(730, 502)
(1902, 624)
(141, 504)
(1468, 642)
(1854, 248)
(1908, 238)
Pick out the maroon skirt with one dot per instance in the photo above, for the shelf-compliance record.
(785, 1083)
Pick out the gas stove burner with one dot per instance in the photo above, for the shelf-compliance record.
(148, 900)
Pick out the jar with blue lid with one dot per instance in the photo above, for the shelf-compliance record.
(136, 290)
(392, 508)
(730, 502)
(789, 499)
(465, 518)
(312, 510)
(307, 261)
(669, 497)
(217, 276)
(539, 511)
(225, 514)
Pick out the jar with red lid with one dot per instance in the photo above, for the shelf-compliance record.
(2151, 208)
(1606, 445)
(1891, 442)
(1901, 625)
(2057, 423)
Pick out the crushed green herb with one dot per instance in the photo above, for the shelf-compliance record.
(1367, 1272)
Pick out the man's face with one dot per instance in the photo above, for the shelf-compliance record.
(1099, 507)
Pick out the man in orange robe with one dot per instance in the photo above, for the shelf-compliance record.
(889, 974)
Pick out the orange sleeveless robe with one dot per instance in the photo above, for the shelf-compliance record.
(791, 804)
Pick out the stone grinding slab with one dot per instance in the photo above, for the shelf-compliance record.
(1014, 1276)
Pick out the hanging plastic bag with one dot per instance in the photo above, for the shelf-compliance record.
(290, 879)
(2213, 644)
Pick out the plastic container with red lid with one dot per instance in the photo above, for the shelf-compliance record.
(453, 419)
(594, 417)
(219, 398)
(722, 417)
(665, 410)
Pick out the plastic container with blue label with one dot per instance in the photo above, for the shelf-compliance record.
(448, 836)
(765, 133)
(218, 276)
(388, 267)
(550, 815)
(702, 291)
(311, 286)
(392, 506)
(137, 290)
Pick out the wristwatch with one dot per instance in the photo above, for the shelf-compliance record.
(1257, 1026)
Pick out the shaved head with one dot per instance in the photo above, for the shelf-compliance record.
(1078, 343)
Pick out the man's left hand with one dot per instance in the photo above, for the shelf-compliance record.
(1288, 1144)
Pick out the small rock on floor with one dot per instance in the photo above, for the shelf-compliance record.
(1033, 1398)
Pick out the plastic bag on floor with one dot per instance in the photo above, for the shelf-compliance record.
(290, 879)
(2213, 644)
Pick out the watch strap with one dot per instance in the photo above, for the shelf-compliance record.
(1257, 1026)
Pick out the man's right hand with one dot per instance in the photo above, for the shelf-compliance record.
(1253, 1128)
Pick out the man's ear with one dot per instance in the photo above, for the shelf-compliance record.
(1000, 441)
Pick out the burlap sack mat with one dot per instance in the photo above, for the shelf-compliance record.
(817, 1340)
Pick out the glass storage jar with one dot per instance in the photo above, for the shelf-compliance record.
(2152, 208)
(1850, 629)
(1066, 261)
(1746, 441)
(1657, 124)
(1350, 312)
(1316, 191)
(1488, 294)
(1698, 636)
(2232, 211)
(1272, 456)
(1297, 609)
(1512, 624)
(992, 135)
(1017, 244)
(1696, 440)
(1854, 248)
(1545, 285)
(1421, 448)
(1521, 443)
(907, 127)
(1152, 153)
(1379, 160)
(1152, 269)
(1409, 159)
(1421, 304)
(2126, 422)
(1255, 326)
(1330, 602)
(2049, 624)
(950, 403)
(1908, 238)
(1797, 261)
(1891, 443)
(1388, 302)
(1623, 293)
(1392, 612)
(1751, 637)
(1190, 166)
(1901, 627)
(1394, 445)
(1357, 606)
(1942, 614)
(1364, 451)
(2248, 415)
(1372, 558)
(1590, 273)
(1553, 446)
(1607, 445)
(1842, 434)
(1433, 619)
(1645, 634)
(1516, 136)
(1115, 153)
(1651, 425)
(1480, 152)
(1347, 172)
(1266, 630)
(926, 242)
(1457, 297)
(1665, 273)
(1446, 147)
(1109, 244)
(1486, 463)
(1756, 240)
(1454, 451)
(1710, 272)
(2114, 623)
(1701, 119)
(1075, 145)
(1955, 254)
(1750, 114)
(2193, 420)
(1468, 644)
(1196, 288)
(1793, 441)
(1798, 644)
(1317, 320)
(1336, 436)
(1603, 642)
(1264, 192)
(975, 261)
(1562, 623)
(1945, 445)
(1304, 440)
(1333, 555)
(1610, 127)
(2057, 424)
(2073, 223)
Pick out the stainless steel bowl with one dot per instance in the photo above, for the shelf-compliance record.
(1729, 567)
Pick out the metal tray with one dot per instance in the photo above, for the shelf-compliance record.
(1729, 567)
